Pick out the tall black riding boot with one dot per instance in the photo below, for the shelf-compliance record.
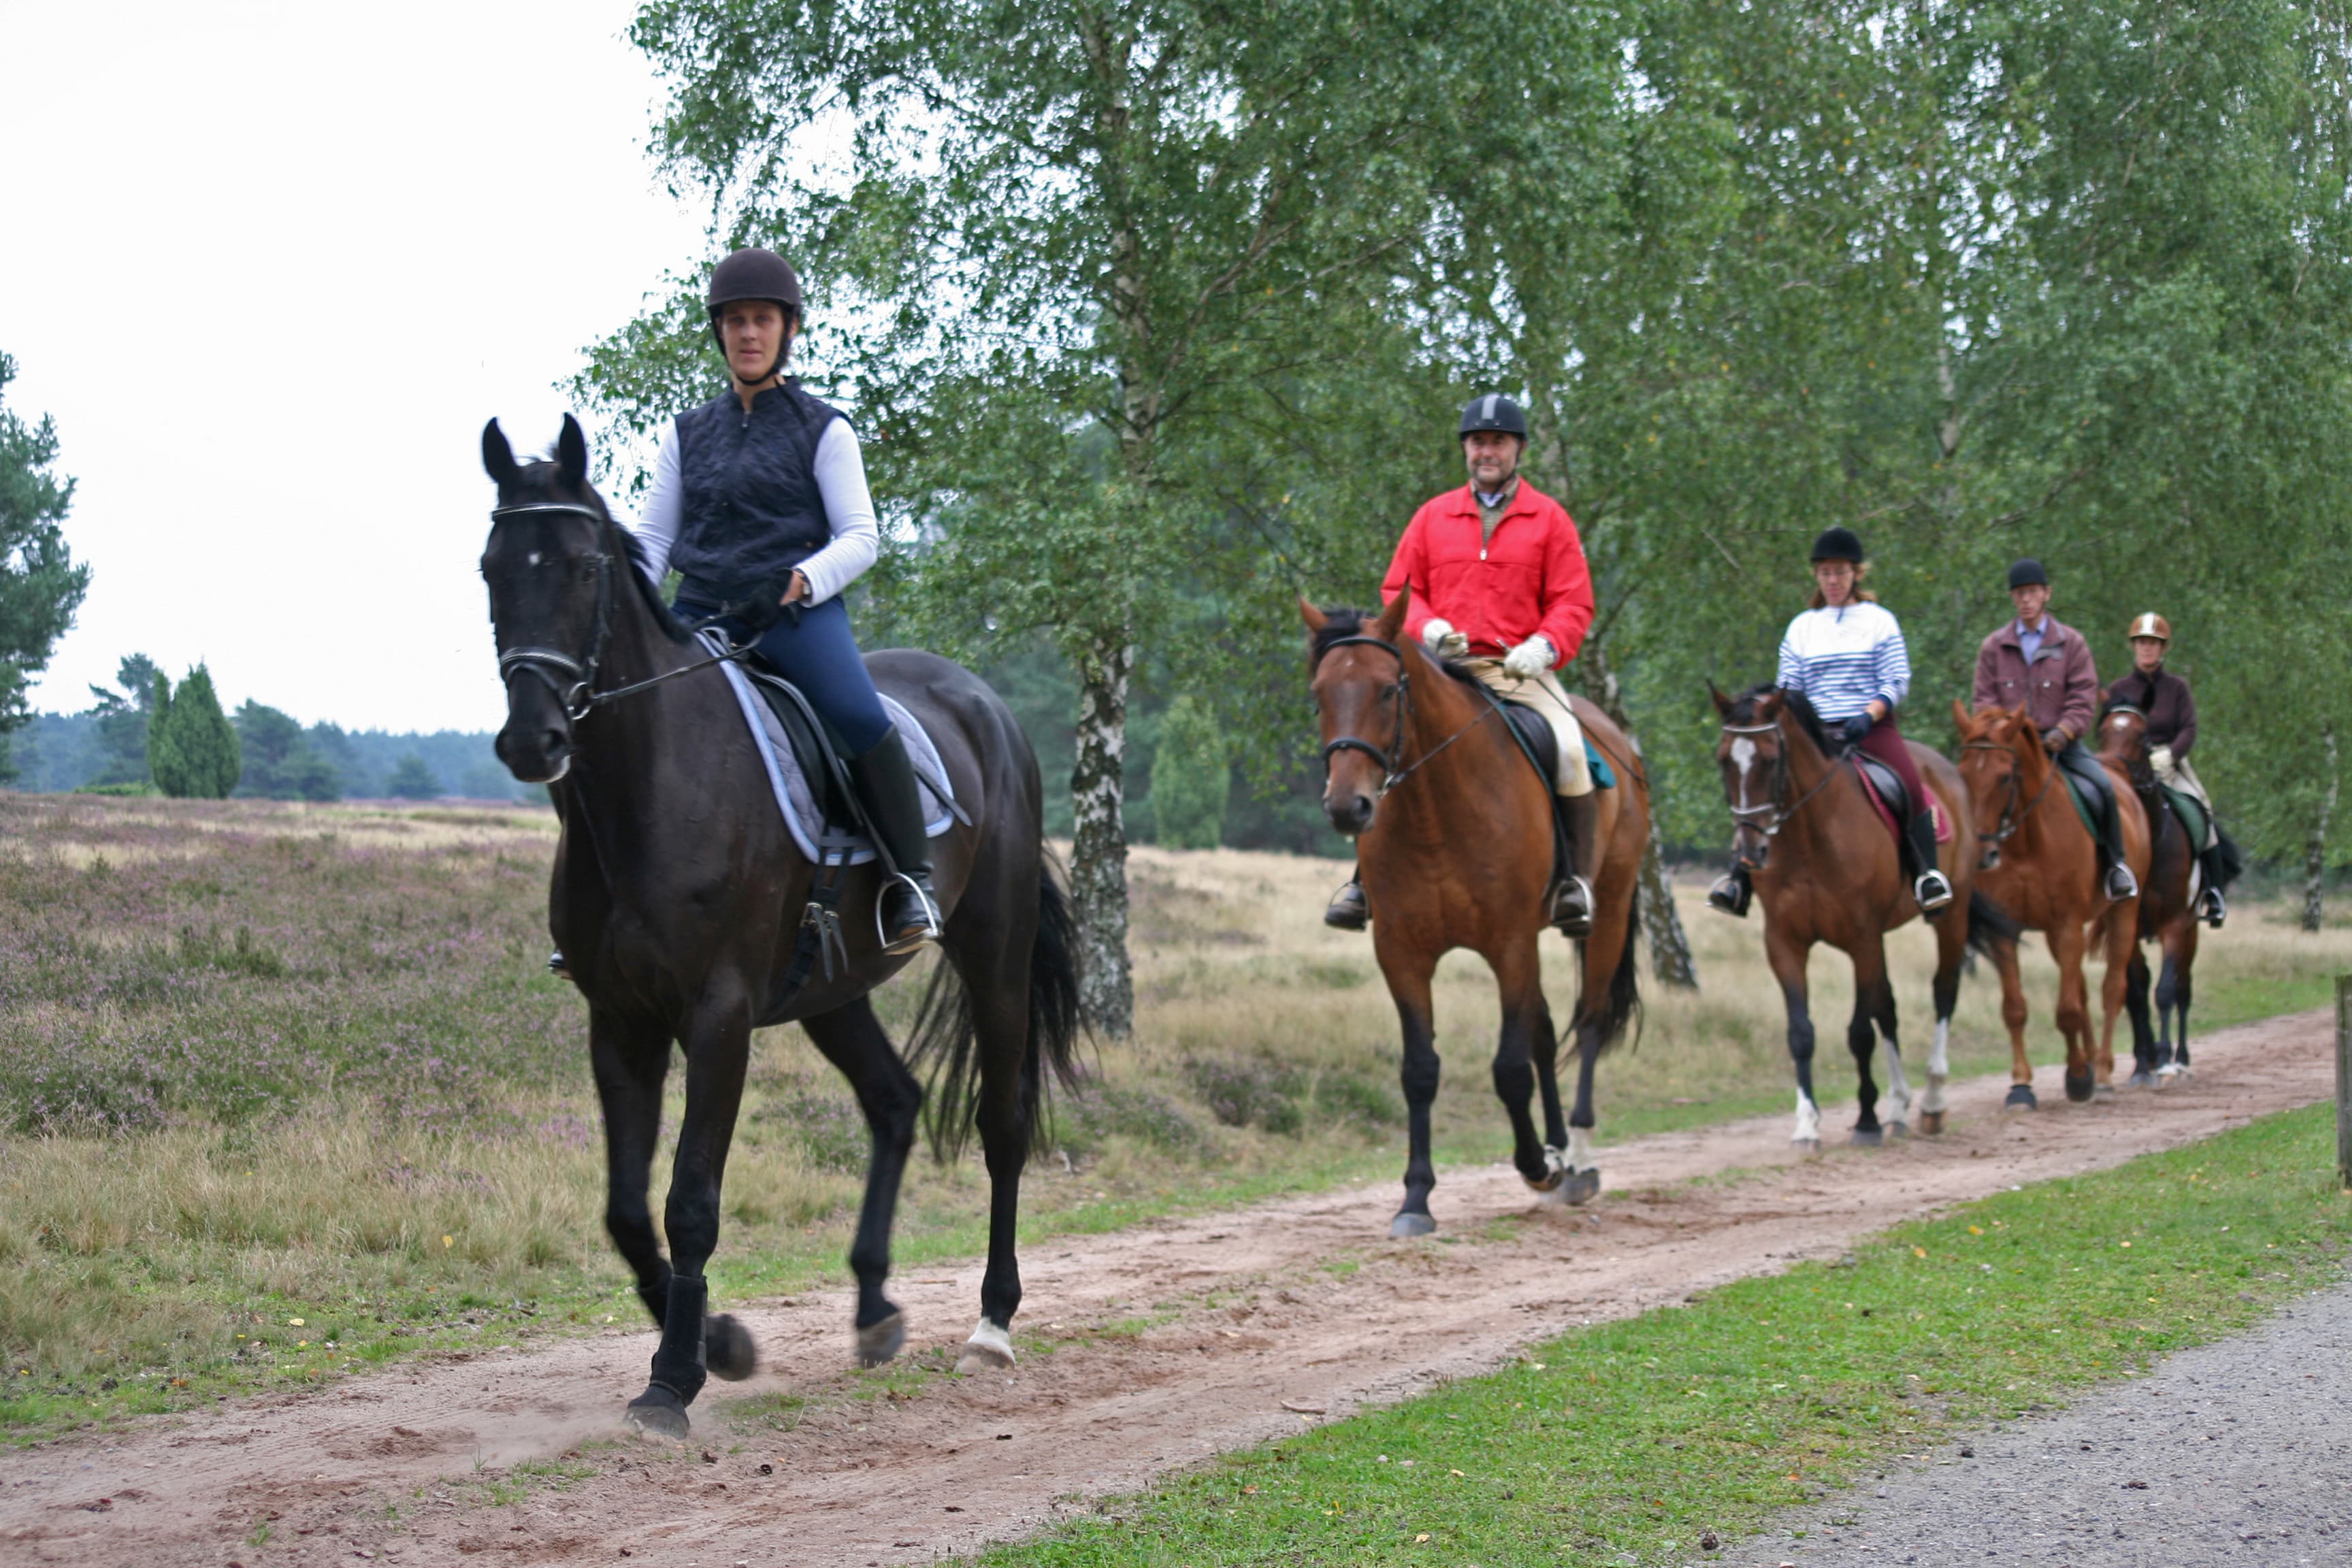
(910, 911)
(1928, 884)
(2209, 907)
(2120, 882)
(1571, 907)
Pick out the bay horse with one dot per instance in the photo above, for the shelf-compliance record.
(2168, 907)
(2040, 865)
(1827, 868)
(1453, 837)
(677, 900)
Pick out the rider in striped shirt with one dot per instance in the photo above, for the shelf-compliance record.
(1846, 654)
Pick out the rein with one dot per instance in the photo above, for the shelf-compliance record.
(578, 699)
(2011, 818)
(1781, 815)
(1392, 773)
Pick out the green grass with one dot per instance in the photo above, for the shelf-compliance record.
(1626, 1442)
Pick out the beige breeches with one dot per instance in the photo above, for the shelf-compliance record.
(2179, 775)
(1544, 695)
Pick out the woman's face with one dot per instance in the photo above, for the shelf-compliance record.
(1836, 580)
(2148, 653)
(754, 331)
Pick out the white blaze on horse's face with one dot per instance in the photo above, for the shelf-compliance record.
(1743, 757)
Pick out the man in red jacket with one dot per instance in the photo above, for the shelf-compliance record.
(1499, 583)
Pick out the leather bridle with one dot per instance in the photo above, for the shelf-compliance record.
(2012, 817)
(1772, 807)
(575, 690)
(1395, 771)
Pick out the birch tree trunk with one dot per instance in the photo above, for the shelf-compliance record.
(1662, 923)
(1099, 845)
(2314, 855)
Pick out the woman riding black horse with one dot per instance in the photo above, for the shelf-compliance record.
(758, 501)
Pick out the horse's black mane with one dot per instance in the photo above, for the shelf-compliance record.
(1346, 621)
(1743, 712)
(543, 481)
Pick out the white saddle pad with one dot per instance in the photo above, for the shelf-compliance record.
(798, 802)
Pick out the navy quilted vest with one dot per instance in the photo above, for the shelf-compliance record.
(751, 511)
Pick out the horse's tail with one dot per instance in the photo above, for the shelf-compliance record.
(1624, 1003)
(945, 1040)
(1989, 923)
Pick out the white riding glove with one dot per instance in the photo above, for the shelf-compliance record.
(1442, 639)
(2160, 759)
(1531, 659)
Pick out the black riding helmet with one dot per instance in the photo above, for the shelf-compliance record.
(2028, 573)
(1839, 543)
(752, 274)
(1494, 411)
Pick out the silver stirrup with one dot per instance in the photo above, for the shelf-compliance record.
(930, 932)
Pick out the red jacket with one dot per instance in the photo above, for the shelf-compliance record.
(1529, 578)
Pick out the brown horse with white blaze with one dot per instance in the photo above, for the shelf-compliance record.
(1828, 871)
(2041, 865)
(1455, 842)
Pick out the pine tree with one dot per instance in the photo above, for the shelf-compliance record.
(192, 748)
(40, 583)
(413, 779)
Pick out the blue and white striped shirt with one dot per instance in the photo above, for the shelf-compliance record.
(1843, 658)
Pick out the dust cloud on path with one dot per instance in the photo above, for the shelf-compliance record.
(1172, 1342)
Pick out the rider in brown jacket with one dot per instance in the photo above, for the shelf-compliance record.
(2045, 667)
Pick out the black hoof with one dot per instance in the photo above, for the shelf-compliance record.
(657, 1412)
(727, 1348)
(879, 1342)
(2078, 1089)
(1868, 1137)
(1584, 1185)
(1408, 1224)
(2021, 1098)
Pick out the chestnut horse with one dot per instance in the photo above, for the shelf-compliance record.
(1454, 836)
(2168, 907)
(2041, 866)
(1828, 869)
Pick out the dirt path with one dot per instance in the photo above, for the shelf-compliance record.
(1171, 1341)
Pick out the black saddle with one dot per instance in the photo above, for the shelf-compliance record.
(817, 749)
(1888, 784)
(1536, 738)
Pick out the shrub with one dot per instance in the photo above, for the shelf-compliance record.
(1192, 778)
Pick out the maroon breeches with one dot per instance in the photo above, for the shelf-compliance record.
(1885, 741)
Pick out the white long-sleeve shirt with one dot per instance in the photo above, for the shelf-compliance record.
(1841, 658)
(840, 470)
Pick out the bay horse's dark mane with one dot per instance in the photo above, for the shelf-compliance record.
(1743, 712)
(542, 481)
(1343, 621)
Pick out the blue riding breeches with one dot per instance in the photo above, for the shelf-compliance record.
(814, 649)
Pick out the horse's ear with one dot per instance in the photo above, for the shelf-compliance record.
(1722, 701)
(572, 453)
(1769, 706)
(1316, 619)
(1391, 619)
(498, 458)
(1960, 715)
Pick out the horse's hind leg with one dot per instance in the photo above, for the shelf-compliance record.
(1518, 973)
(853, 1040)
(1862, 1036)
(718, 1050)
(2148, 1037)
(1544, 1050)
(1899, 1078)
(1010, 1091)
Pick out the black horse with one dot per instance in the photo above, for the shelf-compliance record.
(678, 898)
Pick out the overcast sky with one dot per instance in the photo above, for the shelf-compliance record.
(271, 267)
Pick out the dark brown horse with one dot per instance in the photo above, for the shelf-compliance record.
(678, 898)
(2168, 909)
(1826, 866)
(2041, 866)
(1454, 837)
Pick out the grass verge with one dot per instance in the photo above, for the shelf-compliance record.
(1631, 1441)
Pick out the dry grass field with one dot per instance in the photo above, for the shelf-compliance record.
(285, 1090)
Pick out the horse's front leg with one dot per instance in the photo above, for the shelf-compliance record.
(718, 1050)
(2121, 935)
(1408, 974)
(1786, 957)
(1873, 998)
(2069, 946)
(630, 1063)
(851, 1038)
(2012, 1016)
(1519, 976)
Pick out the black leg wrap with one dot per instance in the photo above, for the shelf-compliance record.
(678, 1362)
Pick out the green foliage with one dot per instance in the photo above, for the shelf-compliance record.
(121, 719)
(281, 763)
(192, 748)
(1192, 777)
(41, 585)
(412, 780)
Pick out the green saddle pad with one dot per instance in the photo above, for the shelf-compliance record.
(2191, 812)
(2086, 805)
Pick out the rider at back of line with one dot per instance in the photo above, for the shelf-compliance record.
(2170, 714)
(1499, 582)
(2040, 664)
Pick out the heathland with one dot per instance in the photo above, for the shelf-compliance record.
(286, 1090)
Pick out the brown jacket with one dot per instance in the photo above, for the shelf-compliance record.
(2060, 691)
(2164, 698)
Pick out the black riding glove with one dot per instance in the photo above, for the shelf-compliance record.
(2053, 740)
(1856, 728)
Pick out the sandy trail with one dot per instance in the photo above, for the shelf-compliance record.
(1170, 1342)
